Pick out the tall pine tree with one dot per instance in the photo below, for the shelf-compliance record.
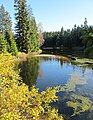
(26, 29)
(2, 19)
(21, 25)
(5, 20)
(34, 43)
(8, 22)
(6, 36)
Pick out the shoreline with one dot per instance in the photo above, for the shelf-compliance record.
(23, 56)
(54, 56)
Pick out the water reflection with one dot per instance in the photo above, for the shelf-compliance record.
(29, 70)
(75, 96)
(50, 71)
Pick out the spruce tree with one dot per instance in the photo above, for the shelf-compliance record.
(5, 20)
(85, 23)
(6, 36)
(2, 19)
(5, 25)
(34, 43)
(21, 25)
(8, 22)
(26, 29)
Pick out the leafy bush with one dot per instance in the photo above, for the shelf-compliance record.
(39, 51)
(17, 102)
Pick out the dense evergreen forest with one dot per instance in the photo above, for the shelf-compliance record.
(77, 39)
(27, 35)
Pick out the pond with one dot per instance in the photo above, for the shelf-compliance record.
(75, 81)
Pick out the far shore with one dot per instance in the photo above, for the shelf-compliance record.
(54, 56)
(23, 56)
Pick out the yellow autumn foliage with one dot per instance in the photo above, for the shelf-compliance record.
(17, 102)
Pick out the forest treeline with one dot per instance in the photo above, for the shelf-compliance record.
(77, 39)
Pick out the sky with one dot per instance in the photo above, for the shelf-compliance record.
(53, 14)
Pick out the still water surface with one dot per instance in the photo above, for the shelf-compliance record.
(46, 72)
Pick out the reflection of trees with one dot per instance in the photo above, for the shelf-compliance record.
(58, 59)
(61, 62)
(29, 70)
